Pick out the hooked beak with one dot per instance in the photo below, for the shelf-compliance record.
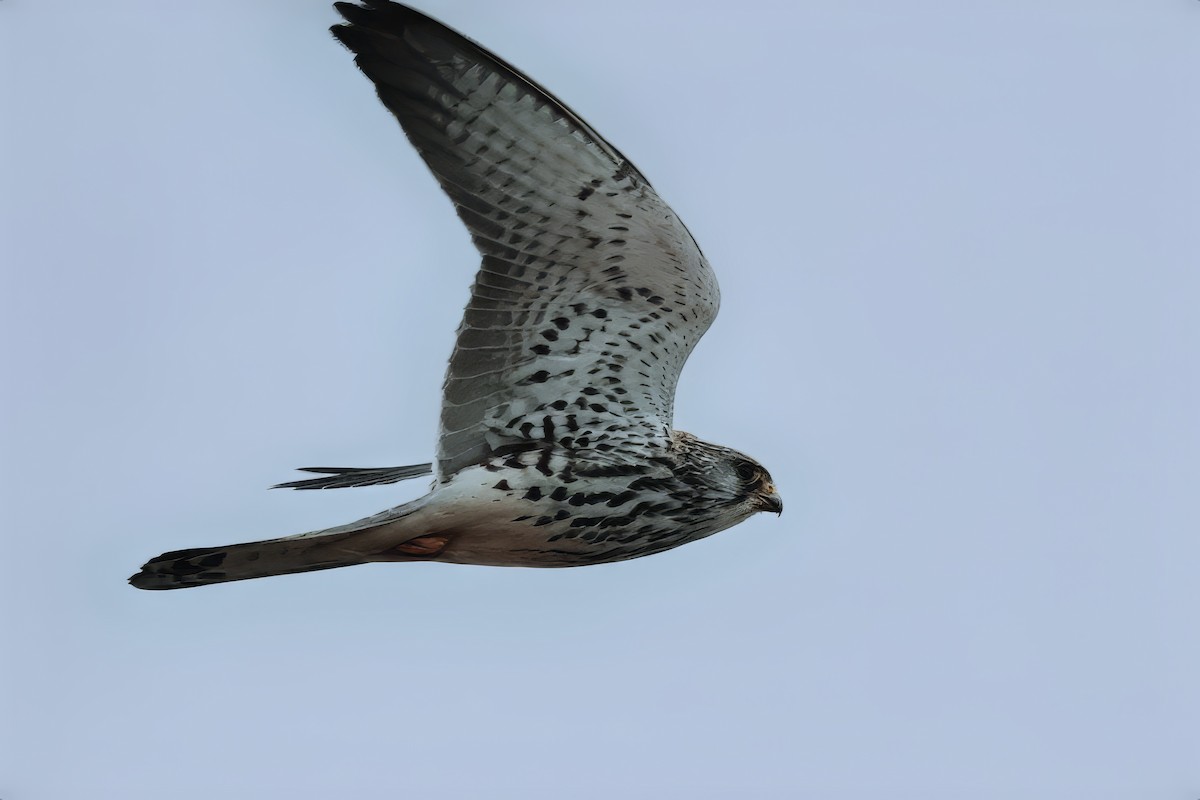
(770, 501)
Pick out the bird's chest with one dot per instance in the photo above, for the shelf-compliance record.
(565, 514)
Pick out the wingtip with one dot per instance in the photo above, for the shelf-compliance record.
(346, 477)
(365, 12)
(313, 483)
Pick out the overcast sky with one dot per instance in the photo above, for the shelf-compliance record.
(958, 245)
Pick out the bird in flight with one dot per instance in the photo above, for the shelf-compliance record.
(556, 447)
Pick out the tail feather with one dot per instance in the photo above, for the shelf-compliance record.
(347, 477)
(381, 536)
(200, 566)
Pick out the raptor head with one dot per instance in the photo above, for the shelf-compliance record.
(742, 483)
(757, 485)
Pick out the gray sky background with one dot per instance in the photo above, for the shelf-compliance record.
(958, 248)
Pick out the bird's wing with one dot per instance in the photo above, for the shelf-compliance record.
(592, 293)
(351, 477)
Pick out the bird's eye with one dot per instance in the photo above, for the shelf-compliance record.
(746, 471)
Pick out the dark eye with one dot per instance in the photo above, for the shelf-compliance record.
(746, 471)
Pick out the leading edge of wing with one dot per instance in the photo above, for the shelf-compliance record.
(390, 20)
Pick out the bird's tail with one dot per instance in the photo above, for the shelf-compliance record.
(370, 539)
(200, 566)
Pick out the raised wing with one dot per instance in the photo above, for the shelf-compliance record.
(592, 293)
